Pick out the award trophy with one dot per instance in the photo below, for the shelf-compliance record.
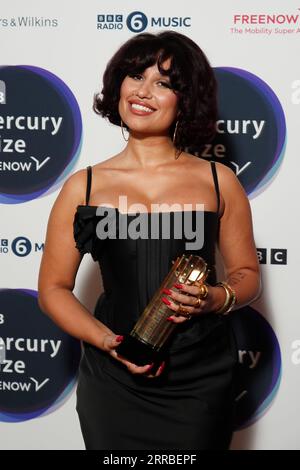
(151, 331)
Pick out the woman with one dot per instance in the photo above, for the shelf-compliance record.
(161, 88)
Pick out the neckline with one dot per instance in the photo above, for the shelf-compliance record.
(147, 212)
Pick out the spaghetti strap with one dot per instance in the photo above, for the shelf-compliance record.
(88, 184)
(215, 176)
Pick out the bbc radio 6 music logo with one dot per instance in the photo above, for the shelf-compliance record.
(137, 21)
(40, 132)
(251, 129)
(38, 361)
(258, 371)
(20, 246)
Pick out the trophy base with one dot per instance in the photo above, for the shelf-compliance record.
(137, 352)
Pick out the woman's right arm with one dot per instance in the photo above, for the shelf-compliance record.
(59, 266)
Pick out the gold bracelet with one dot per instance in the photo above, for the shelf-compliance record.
(231, 296)
(228, 305)
(227, 298)
(230, 299)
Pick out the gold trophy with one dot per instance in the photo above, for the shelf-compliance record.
(144, 343)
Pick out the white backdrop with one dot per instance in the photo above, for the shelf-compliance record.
(77, 52)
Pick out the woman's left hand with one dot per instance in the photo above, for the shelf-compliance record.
(213, 301)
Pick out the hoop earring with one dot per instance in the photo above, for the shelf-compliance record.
(122, 129)
(177, 154)
(177, 151)
(175, 131)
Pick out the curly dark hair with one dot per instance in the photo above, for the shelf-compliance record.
(191, 77)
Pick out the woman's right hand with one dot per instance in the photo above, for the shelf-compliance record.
(111, 341)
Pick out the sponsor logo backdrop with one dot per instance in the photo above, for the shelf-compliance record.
(51, 65)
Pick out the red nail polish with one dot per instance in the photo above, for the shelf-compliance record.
(166, 301)
(161, 367)
(167, 291)
(170, 319)
(178, 286)
(119, 338)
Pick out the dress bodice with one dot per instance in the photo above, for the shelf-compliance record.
(133, 267)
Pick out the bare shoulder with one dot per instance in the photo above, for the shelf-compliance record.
(73, 191)
(228, 181)
(224, 173)
(231, 190)
(74, 187)
(236, 204)
(222, 170)
(103, 171)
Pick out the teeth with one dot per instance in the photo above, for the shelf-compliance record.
(142, 108)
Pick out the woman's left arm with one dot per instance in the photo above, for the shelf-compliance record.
(236, 239)
(237, 248)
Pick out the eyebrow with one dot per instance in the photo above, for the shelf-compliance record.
(160, 75)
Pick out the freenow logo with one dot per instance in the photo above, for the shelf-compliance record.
(137, 21)
(260, 18)
(258, 372)
(265, 24)
(40, 132)
(38, 361)
(251, 129)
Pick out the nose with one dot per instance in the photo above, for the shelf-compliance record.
(143, 90)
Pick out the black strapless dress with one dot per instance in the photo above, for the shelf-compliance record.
(191, 404)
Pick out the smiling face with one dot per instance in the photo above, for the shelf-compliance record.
(147, 102)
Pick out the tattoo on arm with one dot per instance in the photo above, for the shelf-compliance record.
(235, 278)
